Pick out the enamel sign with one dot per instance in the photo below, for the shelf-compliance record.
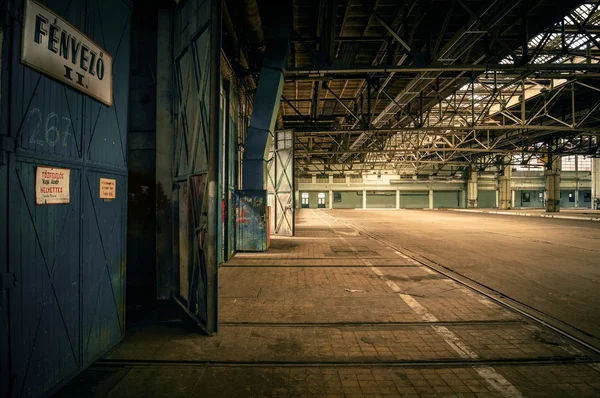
(108, 188)
(52, 186)
(56, 48)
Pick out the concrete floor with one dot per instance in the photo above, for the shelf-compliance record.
(334, 312)
(552, 265)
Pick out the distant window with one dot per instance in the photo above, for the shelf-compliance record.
(584, 164)
(568, 163)
(337, 196)
(587, 197)
(321, 195)
(540, 196)
(571, 198)
(305, 200)
(526, 197)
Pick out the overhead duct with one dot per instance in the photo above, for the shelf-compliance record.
(266, 107)
(254, 25)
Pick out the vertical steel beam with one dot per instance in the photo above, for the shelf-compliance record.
(213, 167)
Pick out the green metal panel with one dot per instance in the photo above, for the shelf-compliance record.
(486, 199)
(567, 198)
(348, 200)
(446, 199)
(529, 198)
(381, 199)
(414, 200)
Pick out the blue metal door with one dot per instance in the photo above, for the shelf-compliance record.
(67, 306)
(191, 142)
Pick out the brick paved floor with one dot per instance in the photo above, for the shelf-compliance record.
(335, 313)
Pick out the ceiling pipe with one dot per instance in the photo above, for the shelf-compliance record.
(254, 26)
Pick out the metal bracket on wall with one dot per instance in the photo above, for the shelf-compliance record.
(7, 144)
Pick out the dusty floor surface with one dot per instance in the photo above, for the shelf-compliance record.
(552, 265)
(334, 312)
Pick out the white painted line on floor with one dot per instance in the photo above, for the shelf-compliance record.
(490, 375)
(508, 213)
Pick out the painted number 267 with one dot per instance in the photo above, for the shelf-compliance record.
(48, 127)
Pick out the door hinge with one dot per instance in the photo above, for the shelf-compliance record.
(7, 281)
(7, 144)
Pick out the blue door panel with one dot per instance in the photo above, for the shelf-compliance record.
(67, 307)
(45, 301)
(107, 126)
(103, 265)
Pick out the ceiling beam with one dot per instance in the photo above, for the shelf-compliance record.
(443, 68)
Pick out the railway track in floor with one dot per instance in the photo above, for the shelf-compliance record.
(570, 332)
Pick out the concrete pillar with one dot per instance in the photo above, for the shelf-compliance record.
(497, 197)
(431, 199)
(577, 195)
(331, 179)
(364, 198)
(331, 199)
(472, 202)
(506, 201)
(596, 183)
(513, 198)
(553, 183)
(313, 179)
(397, 198)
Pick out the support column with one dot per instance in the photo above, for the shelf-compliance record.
(364, 198)
(397, 198)
(553, 183)
(472, 201)
(431, 199)
(331, 199)
(596, 183)
(505, 195)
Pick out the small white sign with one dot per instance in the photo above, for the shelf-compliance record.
(52, 186)
(108, 188)
(56, 48)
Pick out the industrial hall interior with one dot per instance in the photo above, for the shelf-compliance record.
(311, 198)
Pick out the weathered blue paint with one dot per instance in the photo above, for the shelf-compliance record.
(264, 112)
(192, 70)
(250, 220)
(67, 307)
(4, 266)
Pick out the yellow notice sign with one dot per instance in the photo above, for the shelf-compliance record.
(52, 186)
(108, 188)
